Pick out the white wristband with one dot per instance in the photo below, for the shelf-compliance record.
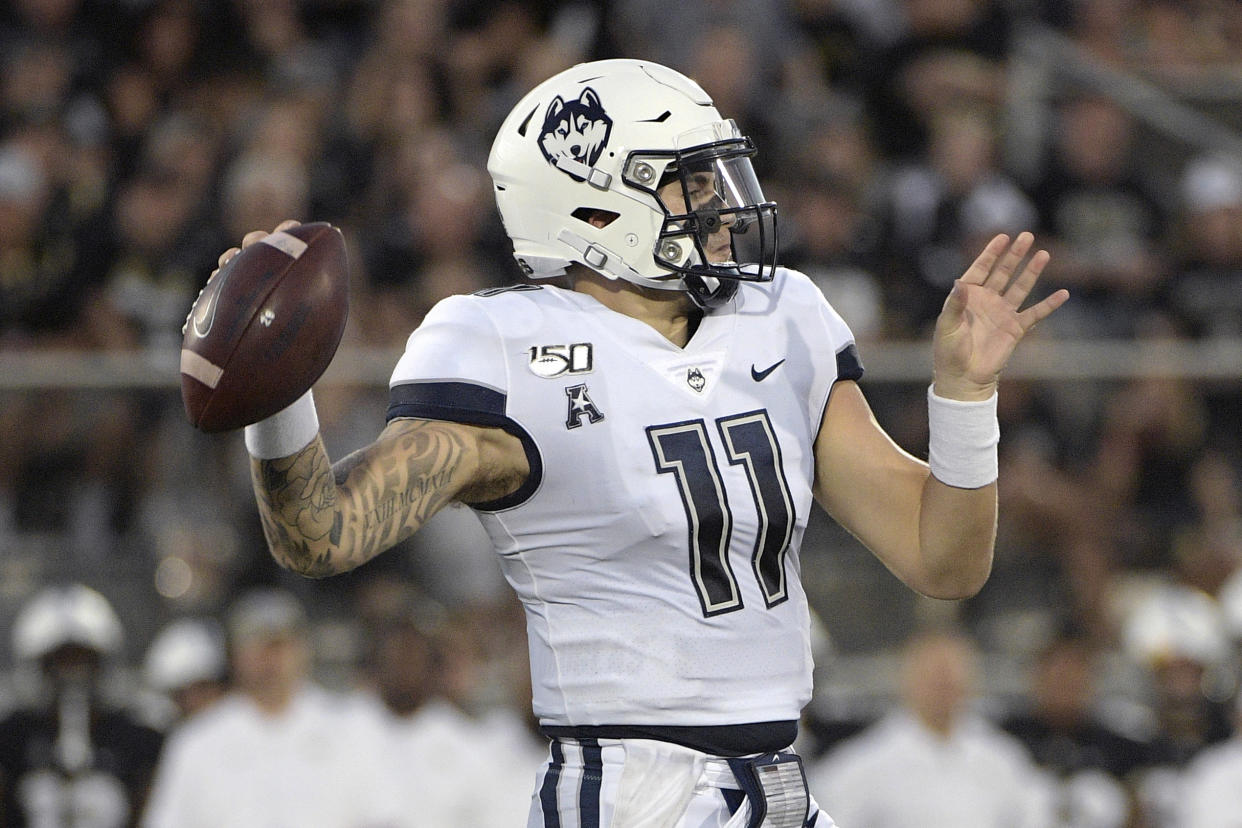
(286, 432)
(962, 440)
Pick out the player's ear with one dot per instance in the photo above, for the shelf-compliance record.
(596, 218)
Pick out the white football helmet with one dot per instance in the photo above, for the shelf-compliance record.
(185, 651)
(596, 145)
(61, 615)
(1172, 621)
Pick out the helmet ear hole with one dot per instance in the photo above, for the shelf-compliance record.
(595, 216)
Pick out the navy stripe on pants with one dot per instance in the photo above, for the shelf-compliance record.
(547, 793)
(592, 778)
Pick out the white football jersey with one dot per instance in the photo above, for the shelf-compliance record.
(655, 543)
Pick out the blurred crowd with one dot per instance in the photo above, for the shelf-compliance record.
(141, 138)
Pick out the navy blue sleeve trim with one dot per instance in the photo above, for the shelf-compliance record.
(464, 402)
(849, 366)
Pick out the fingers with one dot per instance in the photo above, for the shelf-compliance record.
(1021, 287)
(979, 269)
(1037, 312)
(1001, 267)
(252, 237)
(1008, 263)
(1009, 269)
(999, 260)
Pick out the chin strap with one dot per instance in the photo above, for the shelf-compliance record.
(708, 292)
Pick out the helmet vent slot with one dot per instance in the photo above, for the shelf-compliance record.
(526, 122)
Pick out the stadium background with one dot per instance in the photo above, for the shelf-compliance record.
(140, 138)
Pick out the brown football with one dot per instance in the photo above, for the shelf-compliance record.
(265, 327)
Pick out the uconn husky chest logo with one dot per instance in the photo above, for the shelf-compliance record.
(575, 130)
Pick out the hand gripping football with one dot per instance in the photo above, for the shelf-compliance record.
(264, 327)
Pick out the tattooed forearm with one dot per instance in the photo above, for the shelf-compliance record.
(297, 501)
(392, 505)
(321, 519)
(398, 492)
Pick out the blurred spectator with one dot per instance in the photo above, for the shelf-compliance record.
(297, 126)
(48, 269)
(278, 42)
(1207, 548)
(951, 53)
(847, 35)
(833, 242)
(71, 755)
(162, 243)
(62, 20)
(933, 762)
(1067, 734)
(1103, 223)
(186, 662)
(437, 238)
(492, 40)
(451, 768)
(1229, 597)
(1212, 786)
(1057, 552)
(1183, 42)
(650, 30)
(278, 749)
(1206, 290)
(938, 208)
(260, 186)
(1104, 29)
(170, 41)
(734, 71)
(1175, 636)
(1151, 433)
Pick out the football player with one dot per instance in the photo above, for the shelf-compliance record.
(642, 428)
(74, 753)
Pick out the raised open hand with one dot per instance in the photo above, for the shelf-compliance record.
(982, 320)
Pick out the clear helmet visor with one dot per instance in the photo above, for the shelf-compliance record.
(717, 223)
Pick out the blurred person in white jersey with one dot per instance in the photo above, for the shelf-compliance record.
(185, 665)
(450, 767)
(642, 429)
(935, 760)
(279, 748)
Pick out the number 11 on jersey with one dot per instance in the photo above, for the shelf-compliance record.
(684, 450)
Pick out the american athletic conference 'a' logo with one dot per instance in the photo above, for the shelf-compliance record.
(575, 130)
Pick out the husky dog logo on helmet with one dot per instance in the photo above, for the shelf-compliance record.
(575, 130)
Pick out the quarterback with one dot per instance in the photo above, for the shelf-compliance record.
(642, 427)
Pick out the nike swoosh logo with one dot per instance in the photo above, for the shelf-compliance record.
(760, 376)
(206, 316)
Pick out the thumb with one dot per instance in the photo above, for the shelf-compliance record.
(954, 304)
